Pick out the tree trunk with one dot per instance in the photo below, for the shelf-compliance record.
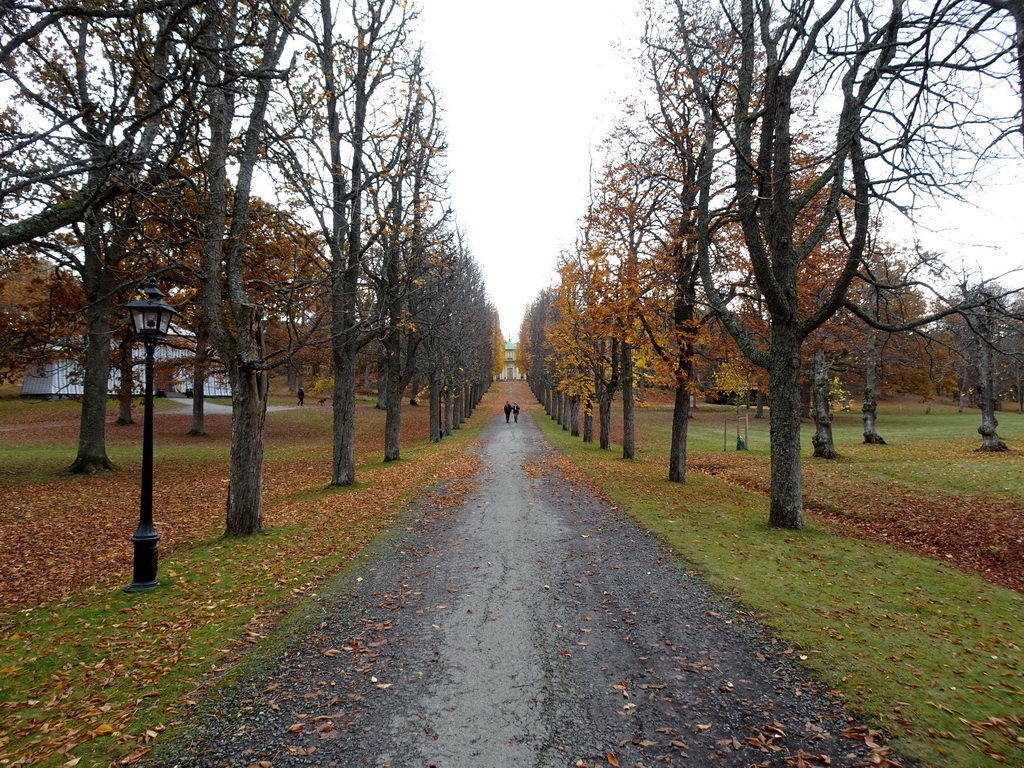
(824, 447)
(448, 409)
(199, 384)
(382, 384)
(806, 398)
(986, 391)
(248, 419)
(346, 246)
(392, 364)
(989, 438)
(574, 416)
(683, 321)
(345, 264)
(588, 420)
(98, 283)
(124, 411)
(343, 468)
(125, 382)
(628, 406)
(680, 430)
(604, 420)
(238, 338)
(786, 509)
(869, 406)
(92, 450)
(434, 396)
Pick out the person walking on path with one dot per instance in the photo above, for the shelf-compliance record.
(531, 624)
(302, 395)
(508, 410)
(515, 412)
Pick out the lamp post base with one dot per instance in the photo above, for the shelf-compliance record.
(145, 566)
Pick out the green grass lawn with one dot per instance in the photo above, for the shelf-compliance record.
(930, 653)
(933, 453)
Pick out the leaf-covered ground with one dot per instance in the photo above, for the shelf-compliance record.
(978, 532)
(89, 675)
(929, 491)
(58, 533)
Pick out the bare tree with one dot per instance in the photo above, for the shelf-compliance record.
(92, 87)
(339, 106)
(688, 134)
(821, 406)
(405, 268)
(891, 131)
(986, 324)
(235, 65)
(97, 118)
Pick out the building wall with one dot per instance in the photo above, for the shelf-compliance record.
(173, 373)
(510, 371)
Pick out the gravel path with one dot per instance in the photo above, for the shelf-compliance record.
(532, 625)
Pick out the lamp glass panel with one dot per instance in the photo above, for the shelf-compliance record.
(139, 319)
(146, 320)
(165, 320)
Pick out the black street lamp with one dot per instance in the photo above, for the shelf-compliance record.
(151, 319)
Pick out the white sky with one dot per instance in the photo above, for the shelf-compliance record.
(986, 234)
(528, 89)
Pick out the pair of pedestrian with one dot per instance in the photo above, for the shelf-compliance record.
(511, 410)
